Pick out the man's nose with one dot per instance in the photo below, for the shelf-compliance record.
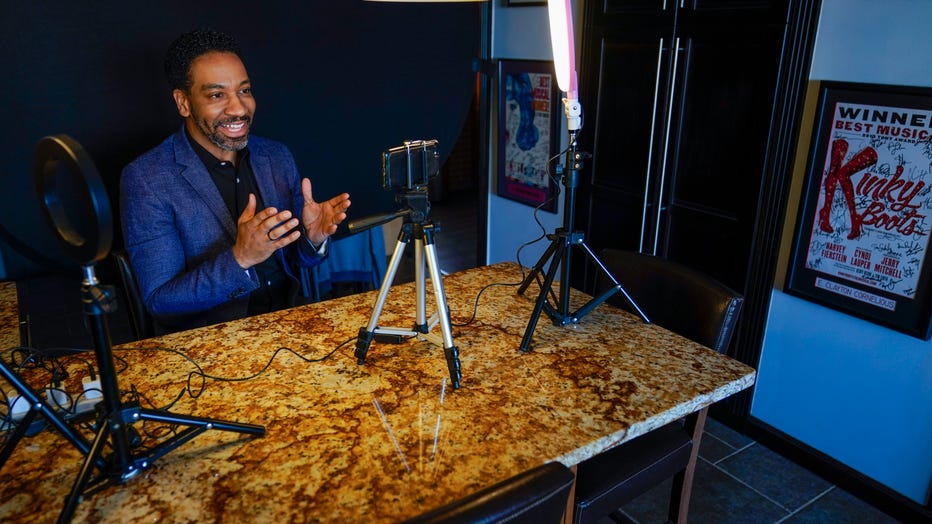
(236, 107)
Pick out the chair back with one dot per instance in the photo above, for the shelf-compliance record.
(143, 325)
(678, 298)
(537, 496)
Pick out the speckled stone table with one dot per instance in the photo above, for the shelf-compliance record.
(9, 316)
(388, 439)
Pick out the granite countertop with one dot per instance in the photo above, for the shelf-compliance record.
(9, 316)
(388, 439)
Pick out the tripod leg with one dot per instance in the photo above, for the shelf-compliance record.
(36, 405)
(80, 483)
(443, 312)
(206, 423)
(616, 288)
(558, 249)
(196, 426)
(16, 435)
(539, 266)
(420, 323)
(364, 339)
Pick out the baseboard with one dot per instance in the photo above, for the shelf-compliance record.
(865, 488)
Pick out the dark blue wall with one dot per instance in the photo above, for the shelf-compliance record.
(338, 81)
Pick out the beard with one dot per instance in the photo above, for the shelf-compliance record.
(212, 132)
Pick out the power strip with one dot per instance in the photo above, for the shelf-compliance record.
(58, 400)
(18, 406)
(93, 395)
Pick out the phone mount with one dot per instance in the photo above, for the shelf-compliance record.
(415, 226)
(115, 418)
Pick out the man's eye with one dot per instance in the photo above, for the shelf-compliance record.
(215, 96)
(246, 91)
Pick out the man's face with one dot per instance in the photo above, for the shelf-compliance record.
(219, 108)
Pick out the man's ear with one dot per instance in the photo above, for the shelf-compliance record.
(181, 101)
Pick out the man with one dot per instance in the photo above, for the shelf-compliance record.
(217, 222)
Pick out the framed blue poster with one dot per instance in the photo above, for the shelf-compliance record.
(527, 122)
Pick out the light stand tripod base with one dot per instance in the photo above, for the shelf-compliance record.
(558, 255)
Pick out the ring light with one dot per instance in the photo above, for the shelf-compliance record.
(90, 203)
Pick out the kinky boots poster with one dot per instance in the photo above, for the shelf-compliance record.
(862, 243)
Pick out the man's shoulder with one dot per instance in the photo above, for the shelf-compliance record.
(159, 155)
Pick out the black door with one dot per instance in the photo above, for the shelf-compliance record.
(679, 113)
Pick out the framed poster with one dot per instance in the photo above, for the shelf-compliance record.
(527, 121)
(862, 233)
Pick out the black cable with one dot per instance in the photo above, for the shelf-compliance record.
(543, 229)
(475, 308)
(24, 358)
(195, 391)
(524, 245)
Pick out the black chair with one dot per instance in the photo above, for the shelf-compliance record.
(141, 320)
(697, 307)
(537, 496)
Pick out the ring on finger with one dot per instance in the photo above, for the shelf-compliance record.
(269, 235)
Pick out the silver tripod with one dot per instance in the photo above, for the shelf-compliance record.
(415, 226)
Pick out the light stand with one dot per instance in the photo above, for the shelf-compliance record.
(115, 419)
(558, 252)
(415, 225)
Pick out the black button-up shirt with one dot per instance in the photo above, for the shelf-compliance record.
(236, 182)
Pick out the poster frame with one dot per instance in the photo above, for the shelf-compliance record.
(880, 270)
(542, 197)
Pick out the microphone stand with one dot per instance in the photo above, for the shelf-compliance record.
(558, 253)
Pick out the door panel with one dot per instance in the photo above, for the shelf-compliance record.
(716, 245)
(628, 114)
(727, 94)
(610, 221)
(625, 118)
(679, 98)
(722, 125)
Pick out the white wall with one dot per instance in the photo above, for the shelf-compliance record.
(858, 392)
(518, 33)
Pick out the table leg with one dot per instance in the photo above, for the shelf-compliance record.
(571, 501)
(683, 481)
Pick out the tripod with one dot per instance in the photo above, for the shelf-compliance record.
(558, 254)
(416, 226)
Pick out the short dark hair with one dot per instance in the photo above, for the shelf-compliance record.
(187, 47)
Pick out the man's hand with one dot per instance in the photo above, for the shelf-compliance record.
(258, 235)
(321, 219)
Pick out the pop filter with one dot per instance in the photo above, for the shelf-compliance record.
(74, 199)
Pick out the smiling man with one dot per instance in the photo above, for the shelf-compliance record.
(217, 223)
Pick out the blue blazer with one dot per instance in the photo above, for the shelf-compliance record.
(179, 233)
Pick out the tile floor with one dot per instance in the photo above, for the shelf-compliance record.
(740, 481)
